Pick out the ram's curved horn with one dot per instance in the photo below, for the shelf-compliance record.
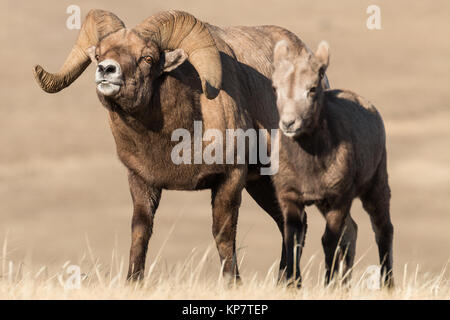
(175, 29)
(98, 24)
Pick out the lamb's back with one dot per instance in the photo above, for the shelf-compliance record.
(356, 121)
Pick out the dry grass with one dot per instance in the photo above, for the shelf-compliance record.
(192, 279)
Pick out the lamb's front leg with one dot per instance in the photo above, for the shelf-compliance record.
(226, 200)
(294, 234)
(145, 202)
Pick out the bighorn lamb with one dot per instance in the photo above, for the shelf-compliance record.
(333, 150)
(164, 74)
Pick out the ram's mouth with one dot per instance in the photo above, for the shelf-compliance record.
(117, 82)
(106, 81)
(108, 88)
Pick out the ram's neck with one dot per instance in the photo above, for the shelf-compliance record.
(144, 140)
(172, 106)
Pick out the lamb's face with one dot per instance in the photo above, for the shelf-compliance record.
(127, 67)
(298, 83)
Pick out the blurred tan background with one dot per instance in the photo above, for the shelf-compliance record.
(60, 179)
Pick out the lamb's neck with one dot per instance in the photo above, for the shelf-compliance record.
(319, 142)
(315, 161)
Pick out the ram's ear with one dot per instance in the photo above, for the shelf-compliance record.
(173, 59)
(281, 51)
(91, 54)
(323, 55)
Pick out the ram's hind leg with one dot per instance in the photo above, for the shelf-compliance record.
(263, 192)
(376, 202)
(338, 241)
(226, 200)
(145, 202)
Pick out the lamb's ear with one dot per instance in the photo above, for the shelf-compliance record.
(281, 51)
(173, 59)
(91, 54)
(283, 67)
(281, 72)
(323, 54)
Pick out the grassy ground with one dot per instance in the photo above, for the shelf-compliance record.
(195, 278)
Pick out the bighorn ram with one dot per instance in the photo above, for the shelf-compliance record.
(164, 74)
(333, 150)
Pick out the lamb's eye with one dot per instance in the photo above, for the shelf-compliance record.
(321, 72)
(148, 59)
(97, 57)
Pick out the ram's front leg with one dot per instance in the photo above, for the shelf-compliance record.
(226, 200)
(145, 202)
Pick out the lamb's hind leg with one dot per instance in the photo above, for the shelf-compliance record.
(376, 202)
(338, 241)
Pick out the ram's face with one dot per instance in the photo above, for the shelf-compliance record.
(126, 68)
(129, 60)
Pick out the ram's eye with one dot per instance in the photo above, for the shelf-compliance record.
(313, 90)
(148, 59)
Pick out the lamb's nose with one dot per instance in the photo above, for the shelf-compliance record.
(287, 124)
